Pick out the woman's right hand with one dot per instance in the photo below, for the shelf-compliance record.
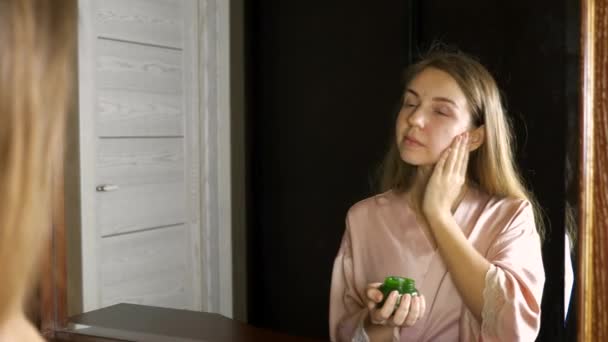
(410, 310)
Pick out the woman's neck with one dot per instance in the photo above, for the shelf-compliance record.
(418, 187)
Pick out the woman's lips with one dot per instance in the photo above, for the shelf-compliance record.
(409, 141)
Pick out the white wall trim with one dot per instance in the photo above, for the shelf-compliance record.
(224, 160)
(87, 60)
(216, 190)
(192, 146)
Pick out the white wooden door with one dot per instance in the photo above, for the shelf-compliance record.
(139, 153)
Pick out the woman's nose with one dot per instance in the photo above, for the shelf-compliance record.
(417, 117)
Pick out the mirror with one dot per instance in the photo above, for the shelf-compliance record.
(344, 78)
(343, 74)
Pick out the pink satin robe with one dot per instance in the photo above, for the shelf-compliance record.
(382, 238)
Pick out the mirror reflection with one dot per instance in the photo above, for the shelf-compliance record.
(453, 215)
(189, 187)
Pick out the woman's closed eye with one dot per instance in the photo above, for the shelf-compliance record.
(442, 111)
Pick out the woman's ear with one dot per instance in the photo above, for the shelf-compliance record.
(477, 137)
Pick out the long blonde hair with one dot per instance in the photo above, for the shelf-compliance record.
(37, 45)
(491, 166)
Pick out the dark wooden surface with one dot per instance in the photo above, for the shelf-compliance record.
(593, 246)
(74, 337)
(146, 323)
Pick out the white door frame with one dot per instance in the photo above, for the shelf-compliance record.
(216, 210)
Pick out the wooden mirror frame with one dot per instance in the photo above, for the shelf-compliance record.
(592, 276)
(593, 182)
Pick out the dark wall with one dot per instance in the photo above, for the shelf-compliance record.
(323, 82)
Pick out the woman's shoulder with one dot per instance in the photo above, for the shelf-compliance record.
(504, 203)
(504, 216)
(505, 209)
(372, 204)
(510, 205)
(367, 214)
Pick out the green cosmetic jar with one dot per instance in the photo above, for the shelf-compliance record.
(400, 284)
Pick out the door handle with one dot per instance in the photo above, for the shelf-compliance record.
(107, 187)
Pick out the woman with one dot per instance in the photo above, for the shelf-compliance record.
(454, 216)
(37, 42)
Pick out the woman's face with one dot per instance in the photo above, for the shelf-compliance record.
(433, 112)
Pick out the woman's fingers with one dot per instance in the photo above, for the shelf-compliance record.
(371, 305)
(452, 159)
(403, 310)
(465, 157)
(373, 293)
(389, 305)
(439, 167)
(414, 313)
(380, 316)
(462, 153)
(422, 306)
(374, 296)
(410, 310)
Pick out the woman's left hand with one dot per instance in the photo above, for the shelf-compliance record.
(447, 179)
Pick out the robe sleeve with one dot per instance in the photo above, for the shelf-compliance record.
(347, 309)
(514, 283)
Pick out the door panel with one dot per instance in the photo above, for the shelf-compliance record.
(135, 67)
(140, 207)
(134, 113)
(140, 161)
(141, 234)
(158, 22)
(149, 268)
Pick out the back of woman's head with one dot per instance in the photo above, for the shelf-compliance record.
(492, 165)
(37, 45)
